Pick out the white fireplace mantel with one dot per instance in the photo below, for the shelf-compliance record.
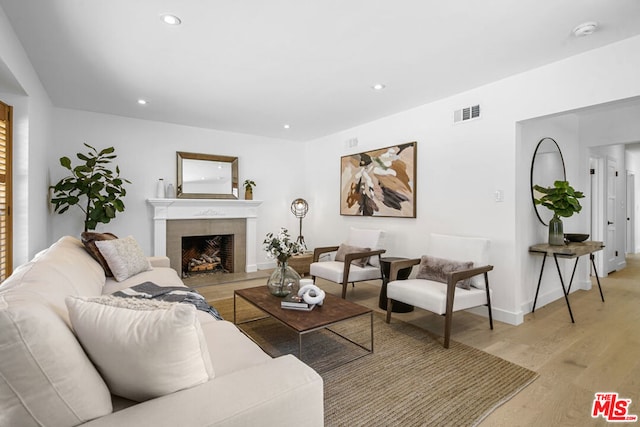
(172, 209)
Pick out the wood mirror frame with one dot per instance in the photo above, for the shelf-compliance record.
(206, 176)
(547, 167)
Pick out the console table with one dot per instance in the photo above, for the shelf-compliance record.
(568, 251)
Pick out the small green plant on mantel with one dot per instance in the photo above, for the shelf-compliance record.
(102, 187)
(562, 200)
(248, 185)
(248, 189)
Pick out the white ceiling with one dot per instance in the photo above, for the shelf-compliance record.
(251, 66)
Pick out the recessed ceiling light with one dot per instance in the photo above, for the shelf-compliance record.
(169, 19)
(378, 86)
(585, 29)
(287, 126)
(142, 102)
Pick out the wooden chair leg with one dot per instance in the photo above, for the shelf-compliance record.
(344, 289)
(448, 320)
(389, 308)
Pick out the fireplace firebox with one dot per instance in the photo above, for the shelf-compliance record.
(214, 238)
(207, 254)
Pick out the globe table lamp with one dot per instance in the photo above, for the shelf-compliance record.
(300, 207)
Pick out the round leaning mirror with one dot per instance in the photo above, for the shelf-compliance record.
(547, 167)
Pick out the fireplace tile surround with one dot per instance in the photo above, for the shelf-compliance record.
(174, 218)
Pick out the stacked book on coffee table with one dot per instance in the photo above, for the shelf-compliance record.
(294, 302)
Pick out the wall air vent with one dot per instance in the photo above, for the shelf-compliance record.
(467, 113)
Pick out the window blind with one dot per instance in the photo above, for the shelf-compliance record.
(6, 242)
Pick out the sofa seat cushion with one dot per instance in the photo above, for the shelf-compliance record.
(431, 295)
(230, 349)
(283, 392)
(159, 275)
(45, 376)
(143, 348)
(334, 270)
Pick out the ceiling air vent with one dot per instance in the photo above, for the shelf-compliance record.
(467, 113)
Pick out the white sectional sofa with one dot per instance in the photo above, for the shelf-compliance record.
(48, 379)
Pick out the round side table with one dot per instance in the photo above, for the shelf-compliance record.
(385, 267)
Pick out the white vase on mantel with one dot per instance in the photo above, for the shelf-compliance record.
(160, 192)
(171, 191)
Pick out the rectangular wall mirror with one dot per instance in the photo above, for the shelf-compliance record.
(207, 176)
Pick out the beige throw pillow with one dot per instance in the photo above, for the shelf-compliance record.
(124, 257)
(345, 249)
(436, 269)
(143, 348)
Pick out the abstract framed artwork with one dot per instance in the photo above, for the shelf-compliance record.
(379, 182)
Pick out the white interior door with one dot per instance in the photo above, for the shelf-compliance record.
(597, 190)
(631, 185)
(610, 242)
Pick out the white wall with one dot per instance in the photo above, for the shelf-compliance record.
(31, 141)
(147, 151)
(461, 166)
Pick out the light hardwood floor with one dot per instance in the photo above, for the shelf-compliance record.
(599, 353)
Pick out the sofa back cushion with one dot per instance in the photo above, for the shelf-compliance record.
(45, 376)
(64, 269)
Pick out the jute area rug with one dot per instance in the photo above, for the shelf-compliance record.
(409, 380)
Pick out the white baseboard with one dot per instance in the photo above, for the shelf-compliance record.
(555, 294)
(268, 265)
(500, 315)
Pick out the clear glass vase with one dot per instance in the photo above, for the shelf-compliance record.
(284, 280)
(556, 233)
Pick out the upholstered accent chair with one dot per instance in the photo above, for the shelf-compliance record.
(452, 277)
(355, 260)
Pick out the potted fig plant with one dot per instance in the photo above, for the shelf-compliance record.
(92, 186)
(248, 189)
(562, 200)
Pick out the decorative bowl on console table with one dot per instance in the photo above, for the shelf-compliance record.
(576, 237)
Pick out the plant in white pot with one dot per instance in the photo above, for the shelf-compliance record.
(562, 200)
(92, 186)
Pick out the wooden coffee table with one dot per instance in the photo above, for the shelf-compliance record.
(333, 310)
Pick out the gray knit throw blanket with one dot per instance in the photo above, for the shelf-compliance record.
(150, 290)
